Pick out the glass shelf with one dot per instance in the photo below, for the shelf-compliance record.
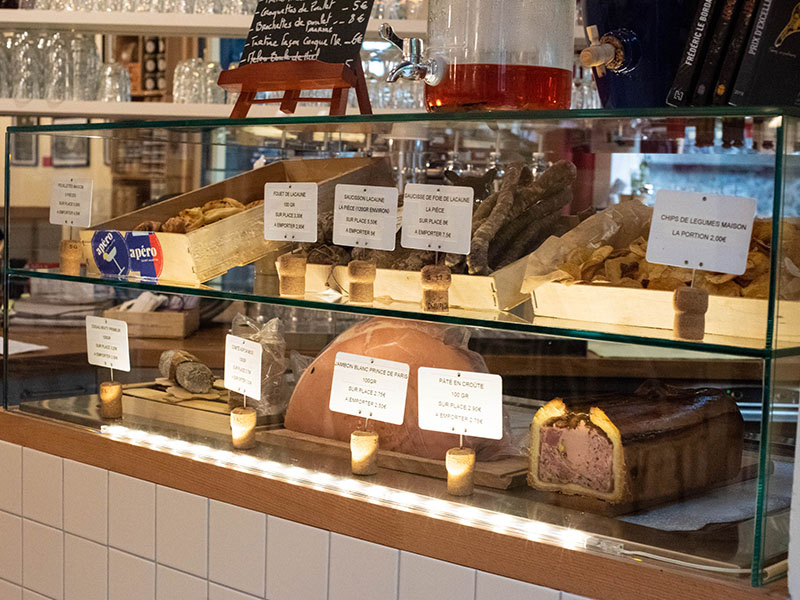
(544, 115)
(242, 289)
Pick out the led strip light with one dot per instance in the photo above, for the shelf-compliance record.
(436, 508)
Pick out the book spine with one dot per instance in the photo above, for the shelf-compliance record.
(681, 91)
(747, 69)
(713, 56)
(730, 65)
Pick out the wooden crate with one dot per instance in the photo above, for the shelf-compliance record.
(162, 324)
(629, 307)
(203, 254)
(496, 292)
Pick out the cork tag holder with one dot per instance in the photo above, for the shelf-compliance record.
(361, 274)
(70, 256)
(292, 274)
(435, 281)
(691, 305)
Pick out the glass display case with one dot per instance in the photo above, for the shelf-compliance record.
(665, 449)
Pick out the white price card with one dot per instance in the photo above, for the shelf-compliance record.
(437, 217)
(365, 216)
(369, 387)
(107, 343)
(701, 231)
(461, 402)
(290, 212)
(71, 202)
(243, 366)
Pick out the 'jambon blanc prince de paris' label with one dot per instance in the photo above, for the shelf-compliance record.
(368, 387)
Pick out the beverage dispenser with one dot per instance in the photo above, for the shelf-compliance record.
(492, 55)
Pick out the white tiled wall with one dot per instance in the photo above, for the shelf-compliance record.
(74, 532)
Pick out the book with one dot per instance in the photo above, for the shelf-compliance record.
(746, 70)
(733, 57)
(699, 33)
(770, 70)
(713, 56)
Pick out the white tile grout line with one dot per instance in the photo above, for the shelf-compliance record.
(266, 549)
(474, 584)
(155, 539)
(63, 539)
(399, 566)
(328, 574)
(108, 534)
(208, 544)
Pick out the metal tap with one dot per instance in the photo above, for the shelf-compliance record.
(414, 66)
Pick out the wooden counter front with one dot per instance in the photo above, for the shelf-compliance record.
(578, 572)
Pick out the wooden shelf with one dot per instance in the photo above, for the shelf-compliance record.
(165, 24)
(575, 571)
(153, 110)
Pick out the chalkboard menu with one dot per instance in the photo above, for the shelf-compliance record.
(330, 31)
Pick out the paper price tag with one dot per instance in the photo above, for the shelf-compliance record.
(437, 217)
(460, 402)
(107, 343)
(243, 366)
(365, 216)
(290, 212)
(369, 387)
(701, 231)
(71, 202)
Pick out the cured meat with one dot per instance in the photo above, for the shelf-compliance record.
(414, 343)
(657, 444)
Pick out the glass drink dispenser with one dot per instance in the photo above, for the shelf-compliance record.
(492, 55)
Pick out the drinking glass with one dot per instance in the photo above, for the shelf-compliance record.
(213, 93)
(86, 68)
(115, 83)
(230, 7)
(5, 72)
(207, 6)
(26, 64)
(59, 65)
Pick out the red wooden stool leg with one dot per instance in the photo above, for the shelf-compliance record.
(362, 93)
(289, 103)
(242, 106)
(339, 101)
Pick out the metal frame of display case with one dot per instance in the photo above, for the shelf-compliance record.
(413, 503)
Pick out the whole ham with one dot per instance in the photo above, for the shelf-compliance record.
(414, 343)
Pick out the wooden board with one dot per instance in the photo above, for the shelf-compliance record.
(159, 324)
(501, 474)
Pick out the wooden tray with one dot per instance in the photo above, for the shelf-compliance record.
(501, 474)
